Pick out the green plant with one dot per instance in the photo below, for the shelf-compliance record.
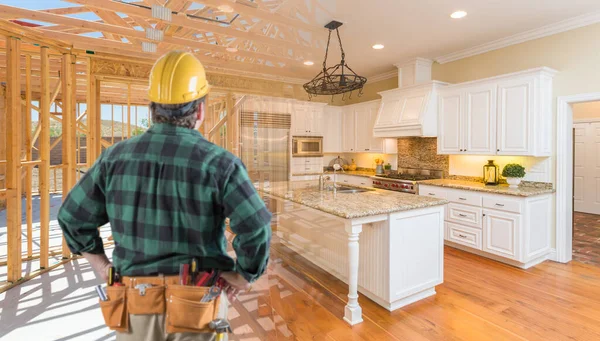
(388, 166)
(513, 170)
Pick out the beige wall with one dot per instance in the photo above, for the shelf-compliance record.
(369, 92)
(582, 111)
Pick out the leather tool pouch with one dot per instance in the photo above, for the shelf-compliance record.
(185, 312)
(114, 310)
(149, 300)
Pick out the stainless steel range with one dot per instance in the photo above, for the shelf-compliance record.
(406, 179)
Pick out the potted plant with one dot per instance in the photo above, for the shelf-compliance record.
(388, 166)
(513, 172)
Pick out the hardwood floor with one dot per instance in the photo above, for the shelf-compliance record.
(586, 238)
(479, 300)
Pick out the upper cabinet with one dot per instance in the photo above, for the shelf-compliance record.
(358, 122)
(307, 119)
(505, 115)
(332, 129)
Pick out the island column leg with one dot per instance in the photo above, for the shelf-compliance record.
(353, 311)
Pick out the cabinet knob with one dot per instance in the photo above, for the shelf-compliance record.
(497, 150)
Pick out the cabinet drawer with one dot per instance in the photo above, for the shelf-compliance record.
(362, 181)
(503, 204)
(464, 235)
(431, 191)
(464, 197)
(466, 215)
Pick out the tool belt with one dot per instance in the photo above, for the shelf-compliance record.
(159, 295)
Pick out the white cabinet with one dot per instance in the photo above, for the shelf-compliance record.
(353, 180)
(450, 139)
(479, 119)
(348, 130)
(332, 129)
(510, 229)
(501, 233)
(307, 119)
(504, 115)
(357, 130)
(515, 111)
(307, 165)
(467, 120)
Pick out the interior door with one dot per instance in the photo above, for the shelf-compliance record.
(586, 189)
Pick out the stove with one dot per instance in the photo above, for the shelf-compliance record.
(405, 180)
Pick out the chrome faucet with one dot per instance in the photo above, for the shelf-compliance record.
(336, 166)
(322, 179)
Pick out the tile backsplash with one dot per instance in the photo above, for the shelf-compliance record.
(421, 152)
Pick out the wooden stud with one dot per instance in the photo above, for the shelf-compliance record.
(68, 131)
(3, 141)
(91, 114)
(28, 152)
(13, 142)
(128, 111)
(44, 169)
(97, 124)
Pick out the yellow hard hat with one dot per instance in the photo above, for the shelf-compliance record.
(176, 78)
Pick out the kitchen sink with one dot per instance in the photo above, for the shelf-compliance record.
(351, 190)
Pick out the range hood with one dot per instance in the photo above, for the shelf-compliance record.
(412, 109)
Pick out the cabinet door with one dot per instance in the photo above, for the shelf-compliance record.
(300, 118)
(315, 125)
(332, 130)
(501, 233)
(363, 135)
(387, 111)
(450, 138)
(376, 144)
(480, 120)
(348, 131)
(515, 107)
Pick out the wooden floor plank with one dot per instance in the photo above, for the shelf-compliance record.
(480, 299)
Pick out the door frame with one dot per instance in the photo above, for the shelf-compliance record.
(564, 172)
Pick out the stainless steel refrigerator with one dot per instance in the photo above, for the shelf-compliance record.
(265, 146)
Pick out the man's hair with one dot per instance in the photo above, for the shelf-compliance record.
(183, 115)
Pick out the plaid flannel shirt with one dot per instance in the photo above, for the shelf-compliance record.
(166, 194)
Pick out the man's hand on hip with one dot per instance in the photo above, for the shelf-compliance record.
(235, 284)
(99, 263)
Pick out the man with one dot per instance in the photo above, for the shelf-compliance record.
(166, 194)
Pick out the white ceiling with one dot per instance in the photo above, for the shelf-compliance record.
(423, 28)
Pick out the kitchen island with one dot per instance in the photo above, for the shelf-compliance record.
(401, 237)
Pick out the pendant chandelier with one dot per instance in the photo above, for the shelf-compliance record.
(338, 79)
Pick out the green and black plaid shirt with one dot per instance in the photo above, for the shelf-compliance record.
(166, 194)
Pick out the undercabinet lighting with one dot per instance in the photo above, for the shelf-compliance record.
(231, 49)
(309, 63)
(225, 8)
(378, 46)
(458, 15)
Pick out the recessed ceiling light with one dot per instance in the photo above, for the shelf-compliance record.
(309, 63)
(231, 49)
(458, 15)
(225, 8)
(378, 46)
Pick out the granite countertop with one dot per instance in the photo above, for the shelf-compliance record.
(366, 174)
(350, 205)
(521, 191)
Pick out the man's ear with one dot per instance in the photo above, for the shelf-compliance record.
(200, 113)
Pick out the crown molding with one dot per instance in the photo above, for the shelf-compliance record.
(382, 76)
(544, 31)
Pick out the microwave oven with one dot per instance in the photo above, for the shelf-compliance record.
(307, 146)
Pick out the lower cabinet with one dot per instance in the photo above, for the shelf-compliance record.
(510, 229)
(353, 180)
(501, 232)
